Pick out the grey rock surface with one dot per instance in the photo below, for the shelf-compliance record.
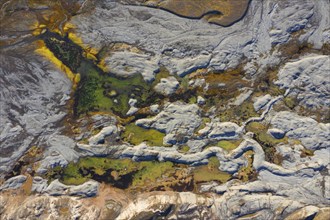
(308, 80)
(221, 131)
(30, 107)
(312, 134)
(261, 102)
(184, 45)
(13, 183)
(128, 63)
(87, 189)
(39, 184)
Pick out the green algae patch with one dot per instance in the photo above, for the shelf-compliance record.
(136, 176)
(210, 172)
(228, 145)
(136, 135)
(162, 73)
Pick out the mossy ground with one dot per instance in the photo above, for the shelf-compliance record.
(267, 142)
(127, 174)
(99, 91)
(228, 145)
(210, 172)
(248, 173)
(110, 171)
(135, 135)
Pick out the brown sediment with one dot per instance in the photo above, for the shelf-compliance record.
(221, 12)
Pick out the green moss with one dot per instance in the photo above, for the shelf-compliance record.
(248, 173)
(92, 167)
(192, 100)
(151, 171)
(290, 102)
(239, 113)
(256, 127)
(266, 138)
(267, 142)
(228, 145)
(163, 73)
(184, 83)
(204, 122)
(95, 91)
(184, 149)
(136, 135)
(64, 49)
(210, 172)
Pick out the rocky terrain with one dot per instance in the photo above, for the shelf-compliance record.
(133, 109)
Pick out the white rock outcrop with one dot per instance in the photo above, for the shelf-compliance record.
(87, 189)
(308, 80)
(313, 135)
(176, 119)
(221, 130)
(167, 86)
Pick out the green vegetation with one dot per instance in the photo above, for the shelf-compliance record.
(248, 173)
(228, 145)
(267, 142)
(290, 102)
(135, 135)
(210, 172)
(184, 149)
(97, 90)
(102, 92)
(151, 171)
(239, 113)
(127, 174)
(192, 100)
(163, 73)
(119, 172)
(65, 50)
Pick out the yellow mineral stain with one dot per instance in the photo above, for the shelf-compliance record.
(102, 65)
(44, 51)
(38, 28)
